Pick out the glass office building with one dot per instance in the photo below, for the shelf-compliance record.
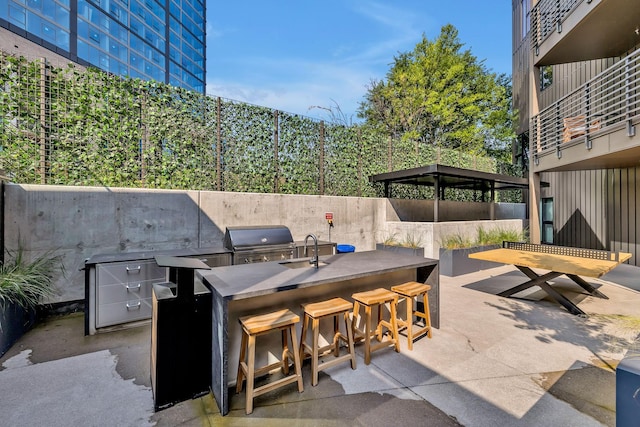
(163, 40)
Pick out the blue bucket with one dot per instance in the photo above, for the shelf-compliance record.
(342, 249)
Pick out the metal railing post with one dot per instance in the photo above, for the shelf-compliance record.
(359, 143)
(219, 144)
(558, 140)
(321, 161)
(631, 129)
(43, 122)
(587, 115)
(145, 139)
(276, 166)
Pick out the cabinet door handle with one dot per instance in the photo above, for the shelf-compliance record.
(133, 270)
(134, 306)
(132, 288)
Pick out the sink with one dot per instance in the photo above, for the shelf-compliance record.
(301, 263)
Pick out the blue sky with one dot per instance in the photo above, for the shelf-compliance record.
(292, 55)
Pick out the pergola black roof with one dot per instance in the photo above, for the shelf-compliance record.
(441, 177)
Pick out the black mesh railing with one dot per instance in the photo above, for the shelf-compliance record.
(562, 250)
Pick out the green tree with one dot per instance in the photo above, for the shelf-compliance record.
(442, 95)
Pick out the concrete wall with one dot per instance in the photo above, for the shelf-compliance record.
(422, 210)
(430, 234)
(80, 222)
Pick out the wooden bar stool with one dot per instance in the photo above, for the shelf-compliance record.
(368, 299)
(410, 291)
(252, 326)
(315, 312)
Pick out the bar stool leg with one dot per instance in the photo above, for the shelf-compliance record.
(409, 303)
(350, 338)
(379, 327)
(243, 355)
(394, 325)
(285, 352)
(356, 310)
(296, 358)
(250, 373)
(336, 336)
(367, 335)
(314, 356)
(427, 313)
(303, 335)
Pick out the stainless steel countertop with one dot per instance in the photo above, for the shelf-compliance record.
(150, 254)
(251, 280)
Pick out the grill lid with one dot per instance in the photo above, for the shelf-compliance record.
(239, 238)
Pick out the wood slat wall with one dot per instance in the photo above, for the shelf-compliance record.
(596, 209)
(520, 68)
(568, 77)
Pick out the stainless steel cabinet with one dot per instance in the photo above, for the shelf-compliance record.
(118, 287)
(324, 248)
(124, 289)
(216, 260)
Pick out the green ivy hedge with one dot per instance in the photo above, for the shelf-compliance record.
(86, 127)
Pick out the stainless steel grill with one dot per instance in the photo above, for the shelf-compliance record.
(260, 243)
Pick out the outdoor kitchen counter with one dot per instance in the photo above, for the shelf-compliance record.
(241, 290)
(253, 280)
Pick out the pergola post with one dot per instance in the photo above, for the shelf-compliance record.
(492, 202)
(436, 198)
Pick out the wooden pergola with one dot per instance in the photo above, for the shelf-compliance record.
(442, 177)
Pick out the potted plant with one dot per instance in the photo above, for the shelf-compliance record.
(23, 286)
(455, 249)
(409, 245)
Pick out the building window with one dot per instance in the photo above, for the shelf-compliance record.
(17, 15)
(547, 221)
(48, 32)
(94, 35)
(525, 18)
(120, 36)
(546, 76)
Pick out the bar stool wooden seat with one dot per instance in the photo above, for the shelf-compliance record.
(410, 292)
(253, 326)
(369, 299)
(315, 312)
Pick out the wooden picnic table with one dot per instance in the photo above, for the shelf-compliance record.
(559, 260)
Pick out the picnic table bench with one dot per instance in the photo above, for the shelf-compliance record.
(559, 260)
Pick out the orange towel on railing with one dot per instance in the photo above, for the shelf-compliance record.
(577, 126)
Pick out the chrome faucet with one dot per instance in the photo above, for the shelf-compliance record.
(314, 259)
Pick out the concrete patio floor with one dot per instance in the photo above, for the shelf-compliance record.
(494, 361)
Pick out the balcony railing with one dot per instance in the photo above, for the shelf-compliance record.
(547, 16)
(600, 106)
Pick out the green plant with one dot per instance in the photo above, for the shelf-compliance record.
(483, 238)
(390, 240)
(411, 241)
(28, 283)
(456, 241)
(498, 235)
